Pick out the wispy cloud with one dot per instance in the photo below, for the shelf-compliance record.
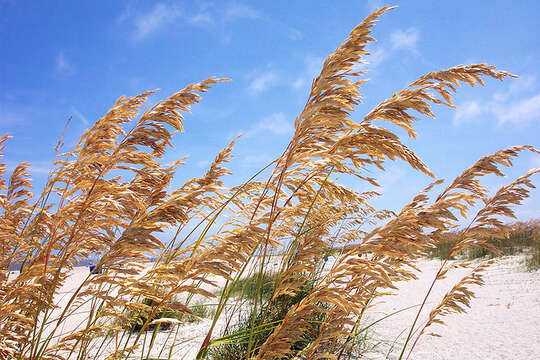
(299, 82)
(126, 14)
(160, 15)
(377, 56)
(519, 85)
(389, 178)
(521, 112)
(9, 117)
(202, 18)
(63, 65)
(203, 163)
(257, 159)
(523, 83)
(400, 40)
(37, 167)
(294, 34)
(261, 81)
(373, 5)
(80, 116)
(241, 11)
(276, 124)
(313, 65)
(14, 114)
(468, 112)
(405, 39)
(203, 14)
(508, 107)
(535, 161)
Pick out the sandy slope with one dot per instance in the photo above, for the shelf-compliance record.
(504, 322)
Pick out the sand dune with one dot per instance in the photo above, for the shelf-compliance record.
(503, 323)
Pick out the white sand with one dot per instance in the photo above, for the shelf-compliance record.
(503, 323)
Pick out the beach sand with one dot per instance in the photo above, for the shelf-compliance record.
(503, 322)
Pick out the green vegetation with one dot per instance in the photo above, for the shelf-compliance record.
(253, 286)
(533, 259)
(138, 319)
(263, 321)
(516, 238)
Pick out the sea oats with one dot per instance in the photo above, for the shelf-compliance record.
(111, 197)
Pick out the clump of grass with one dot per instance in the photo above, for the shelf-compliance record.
(533, 260)
(442, 249)
(531, 232)
(253, 286)
(200, 311)
(264, 320)
(136, 320)
(515, 238)
(111, 195)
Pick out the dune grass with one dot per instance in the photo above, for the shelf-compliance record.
(110, 196)
(256, 285)
(515, 238)
(533, 259)
(263, 319)
(136, 319)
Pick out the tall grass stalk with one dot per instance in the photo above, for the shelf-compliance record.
(109, 197)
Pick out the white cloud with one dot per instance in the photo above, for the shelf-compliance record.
(313, 65)
(522, 83)
(520, 112)
(468, 112)
(9, 117)
(299, 83)
(203, 163)
(14, 114)
(164, 13)
(508, 107)
(202, 18)
(376, 57)
(125, 15)
(80, 116)
(373, 5)
(405, 39)
(393, 174)
(294, 34)
(63, 65)
(255, 159)
(276, 124)
(225, 38)
(38, 167)
(158, 17)
(535, 161)
(401, 40)
(241, 11)
(262, 82)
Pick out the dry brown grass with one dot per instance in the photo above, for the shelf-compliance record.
(109, 195)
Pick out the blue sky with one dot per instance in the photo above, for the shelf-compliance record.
(73, 58)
